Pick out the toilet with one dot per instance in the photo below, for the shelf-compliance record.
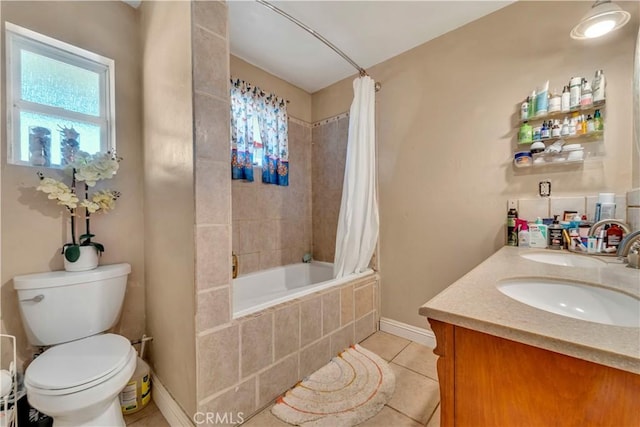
(76, 381)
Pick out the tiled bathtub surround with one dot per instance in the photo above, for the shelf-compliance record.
(530, 209)
(633, 209)
(244, 364)
(329, 155)
(272, 224)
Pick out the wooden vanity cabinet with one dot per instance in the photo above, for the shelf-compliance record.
(490, 381)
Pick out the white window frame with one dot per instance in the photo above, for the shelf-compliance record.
(22, 38)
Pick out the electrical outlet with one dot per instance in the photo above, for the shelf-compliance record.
(544, 188)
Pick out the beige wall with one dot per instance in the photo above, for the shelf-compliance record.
(446, 133)
(169, 195)
(33, 228)
(299, 101)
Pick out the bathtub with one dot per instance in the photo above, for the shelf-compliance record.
(257, 291)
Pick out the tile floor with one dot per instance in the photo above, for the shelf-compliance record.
(415, 402)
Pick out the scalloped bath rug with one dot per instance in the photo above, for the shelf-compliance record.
(351, 388)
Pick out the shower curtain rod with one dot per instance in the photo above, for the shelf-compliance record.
(315, 34)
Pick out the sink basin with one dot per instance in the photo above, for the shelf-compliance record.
(577, 300)
(565, 259)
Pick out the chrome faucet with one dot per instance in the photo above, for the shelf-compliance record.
(625, 244)
(594, 227)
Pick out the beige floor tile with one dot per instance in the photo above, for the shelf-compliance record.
(416, 396)
(385, 345)
(389, 417)
(418, 358)
(265, 419)
(435, 418)
(146, 412)
(155, 419)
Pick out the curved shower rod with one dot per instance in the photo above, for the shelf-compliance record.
(319, 36)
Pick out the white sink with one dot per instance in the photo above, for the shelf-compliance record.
(577, 300)
(565, 259)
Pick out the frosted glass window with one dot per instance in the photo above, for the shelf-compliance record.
(60, 100)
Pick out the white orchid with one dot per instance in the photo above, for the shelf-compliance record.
(88, 169)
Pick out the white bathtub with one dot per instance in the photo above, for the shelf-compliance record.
(257, 291)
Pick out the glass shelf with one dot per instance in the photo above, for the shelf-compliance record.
(587, 137)
(559, 114)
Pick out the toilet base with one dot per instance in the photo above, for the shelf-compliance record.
(111, 417)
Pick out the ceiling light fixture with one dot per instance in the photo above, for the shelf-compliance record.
(603, 18)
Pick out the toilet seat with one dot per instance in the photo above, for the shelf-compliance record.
(78, 365)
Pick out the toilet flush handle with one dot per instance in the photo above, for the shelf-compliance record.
(37, 298)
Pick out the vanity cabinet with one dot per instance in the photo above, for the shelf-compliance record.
(491, 381)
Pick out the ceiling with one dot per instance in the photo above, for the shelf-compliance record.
(369, 32)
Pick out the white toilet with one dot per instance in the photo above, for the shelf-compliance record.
(78, 380)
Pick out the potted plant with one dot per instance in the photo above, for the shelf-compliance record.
(86, 170)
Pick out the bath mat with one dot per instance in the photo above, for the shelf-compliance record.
(351, 388)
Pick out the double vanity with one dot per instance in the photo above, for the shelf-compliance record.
(539, 337)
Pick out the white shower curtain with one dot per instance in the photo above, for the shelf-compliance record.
(358, 222)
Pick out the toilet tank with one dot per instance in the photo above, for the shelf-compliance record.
(62, 306)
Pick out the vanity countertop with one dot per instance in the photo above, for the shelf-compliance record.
(474, 302)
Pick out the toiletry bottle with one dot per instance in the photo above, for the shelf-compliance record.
(591, 127)
(564, 130)
(583, 125)
(573, 128)
(575, 88)
(555, 234)
(555, 102)
(544, 132)
(614, 236)
(565, 99)
(532, 104)
(598, 87)
(555, 129)
(538, 235)
(586, 96)
(523, 232)
(512, 233)
(524, 110)
(597, 118)
(525, 135)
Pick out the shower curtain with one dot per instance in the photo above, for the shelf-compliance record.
(358, 221)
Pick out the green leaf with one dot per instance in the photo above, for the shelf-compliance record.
(72, 253)
(87, 236)
(98, 246)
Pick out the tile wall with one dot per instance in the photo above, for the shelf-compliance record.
(530, 209)
(633, 209)
(244, 364)
(329, 155)
(272, 224)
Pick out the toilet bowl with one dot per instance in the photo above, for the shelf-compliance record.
(78, 383)
(78, 378)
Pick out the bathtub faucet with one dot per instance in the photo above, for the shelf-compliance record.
(234, 265)
(306, 258)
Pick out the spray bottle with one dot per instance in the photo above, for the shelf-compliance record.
(512, 233)
(523, 232)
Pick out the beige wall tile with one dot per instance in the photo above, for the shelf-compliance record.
(346, 305)
(621, 207)
(315, 356)
(591, 207)
(633, 218)
(211, 117)
(310, 320)
(342, 339)
(633, 197)
(248, 263)
(213, 309)
(365, 326)
(237, 403)
(557, 205)
(218, 361)
(330, 312)
(210, 63)
(270, 259)
(279, 377)
(530, 209)
(364, 300)
(213, 265)
(287, 330)
(211, 15)
(257, 343)
(213, 192)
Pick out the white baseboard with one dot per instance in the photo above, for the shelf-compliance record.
(410, 332)
(170, 409)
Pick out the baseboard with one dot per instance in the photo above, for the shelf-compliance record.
(170, 409)
(410, 332)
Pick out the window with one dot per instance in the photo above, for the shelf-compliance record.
(60, 99)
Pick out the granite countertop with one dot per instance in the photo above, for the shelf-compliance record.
(474, 302)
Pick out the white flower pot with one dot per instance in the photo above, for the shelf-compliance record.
(88, 260)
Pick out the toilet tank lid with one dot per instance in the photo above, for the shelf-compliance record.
(52, 279)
